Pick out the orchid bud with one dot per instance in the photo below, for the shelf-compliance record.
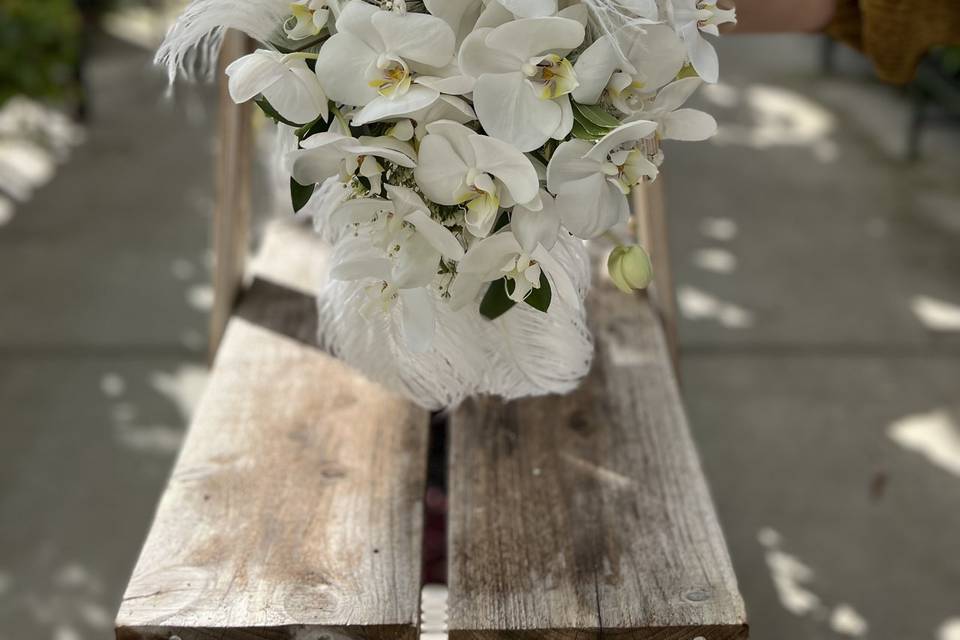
(630, 268)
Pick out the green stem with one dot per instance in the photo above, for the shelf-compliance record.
(340, 118)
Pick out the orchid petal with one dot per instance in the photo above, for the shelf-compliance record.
(441, 171)
(383, 147)
(359, 211)
(703, 56)
(476, 58)
(489, 255)
(384, 108)
(415, 36)
(357, 18)
(344, 68)
(252, 73)
(561, 279)
(533, 228)
(508, 165)
(439, 237)
(298, 96)
(566, 119)
(510, 109)
(456, 85)
(362, 269)
(630, 132)
(529, 37)
(676, 93)
(568, 166)
(461, 15)
(594, 68)
(592, 209)
(688, 124)
(656, 53)
(530, 8)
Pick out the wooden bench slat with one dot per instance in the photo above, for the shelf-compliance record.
(295, 508)
(589, 514)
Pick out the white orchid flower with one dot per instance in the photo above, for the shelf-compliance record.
(385, 290)
(307, 19)
(373, 59)
(326, 155)
(638, 62)
(390, 223)
(501, 256)
(414, 244)
(693, 18)
(286, 81)
(523, 80)
(674, 123)
(458, 165)
(536, 228)
(591, 181)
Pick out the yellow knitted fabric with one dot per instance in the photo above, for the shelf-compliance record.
(896, 33)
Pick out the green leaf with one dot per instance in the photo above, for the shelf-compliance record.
(501, 222)
(590, 127)
(596, 115)
(307, 130)
(579, 132)
(496, 302)
(271, 113)
(540, 298)
(300, 194)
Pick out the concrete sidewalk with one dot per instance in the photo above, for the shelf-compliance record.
(819, 283)
(102, 347)
(818, 276)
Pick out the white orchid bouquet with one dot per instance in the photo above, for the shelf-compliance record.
(457, 155)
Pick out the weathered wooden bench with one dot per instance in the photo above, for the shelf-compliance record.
(295, 509)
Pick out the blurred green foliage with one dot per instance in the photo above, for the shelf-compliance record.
(39, 48)
(950, 60)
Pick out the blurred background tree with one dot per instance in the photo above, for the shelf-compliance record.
(41, 42)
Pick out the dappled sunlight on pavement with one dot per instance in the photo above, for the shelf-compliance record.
(936, 315)
(793, 579)
(34, 140)
(104, 250)
(778, 117)
(818, 284)
(935, 435)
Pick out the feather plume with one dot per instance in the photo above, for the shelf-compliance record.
(192, 43)
(608, 17)
(523, 353)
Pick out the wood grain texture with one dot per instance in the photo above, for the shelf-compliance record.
(588, 514)
(295, 508)
(231, 214)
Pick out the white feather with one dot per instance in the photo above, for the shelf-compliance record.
(192, 44)
(533, 353)
(523, 353)
(607, 17)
